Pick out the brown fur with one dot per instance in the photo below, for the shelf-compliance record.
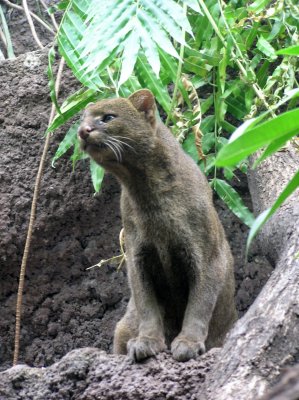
(180, 267)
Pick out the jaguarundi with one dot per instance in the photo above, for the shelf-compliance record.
(180, 267)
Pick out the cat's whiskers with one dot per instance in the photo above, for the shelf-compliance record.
(127, 138)
(111, 147)
(122, 143)
(117, 150)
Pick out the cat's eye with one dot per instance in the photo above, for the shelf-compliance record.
(108, 117)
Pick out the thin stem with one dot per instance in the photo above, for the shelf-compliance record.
(243, 70)
(31, 24)
(179, 72)
(215, 124)
(51, 15)
(3, 38)
(31, 222)
(36, 17)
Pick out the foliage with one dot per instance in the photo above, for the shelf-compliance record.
(228, 52)
(6, 35)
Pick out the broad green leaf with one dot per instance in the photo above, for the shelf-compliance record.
(263, 73)
(236, 106)
(207, 104)
(131, 48)
(234, 202)
(51, 59)
(107, 24)
(197, 66)
(67, 142)
(273, 147)
(264, 216)
(158, 33)
(62, 5)
(150, 49)
(97, 59)
(72, 105)
(170, 67)
(176, 12)
(207, 124)
(265, 47)
(228, 173)
(258, 6)
(78, 154)
(227, 126)
(97, 175)
(259, 136)
(289, 51)
(276, 29)
(208, 142)
(194, 5)
(190, 148)
(69, 35)
(169, 24)
(209, 163)
(130, 86)
(249, 124)
(148, 79)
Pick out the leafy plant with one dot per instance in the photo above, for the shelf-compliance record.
(223, 53)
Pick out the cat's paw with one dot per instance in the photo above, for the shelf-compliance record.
(144, 346)
(183, 349)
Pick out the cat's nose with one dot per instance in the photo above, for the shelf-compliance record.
(84, 131)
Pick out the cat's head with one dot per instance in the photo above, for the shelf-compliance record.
(115, 129)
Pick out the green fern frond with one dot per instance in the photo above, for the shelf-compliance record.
(91, 39)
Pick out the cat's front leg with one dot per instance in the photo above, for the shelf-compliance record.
(204, 287)
(150, 339)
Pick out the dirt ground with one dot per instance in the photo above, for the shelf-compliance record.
(65, 306)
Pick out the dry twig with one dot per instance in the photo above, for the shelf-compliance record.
(31, 222)
(31, 24)
(36, 17)
(51, 16)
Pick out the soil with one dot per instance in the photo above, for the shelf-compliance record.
(66, 307)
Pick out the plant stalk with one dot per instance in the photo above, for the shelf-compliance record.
(179, 71)
(31, 223)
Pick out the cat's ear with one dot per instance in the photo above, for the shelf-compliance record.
(144, 101)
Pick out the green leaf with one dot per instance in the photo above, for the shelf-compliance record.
(71, 32)
(265, 215)
(168, 22)
(150, 49)
(265, 47)
(258, 6)
(51, 59)
(10, 52)
(68, 141)
(207, 104)
(131, 48)
(72, 105)
(208, 141)
(190, 148)
(78, 154)
(289, 51)
(158, 33)
(259, 136)
(62, 5)
(272, 148)
(148, 79)
(234, 202)
(194, 5)
(176, 13)
(169, 68)
(97, 175)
